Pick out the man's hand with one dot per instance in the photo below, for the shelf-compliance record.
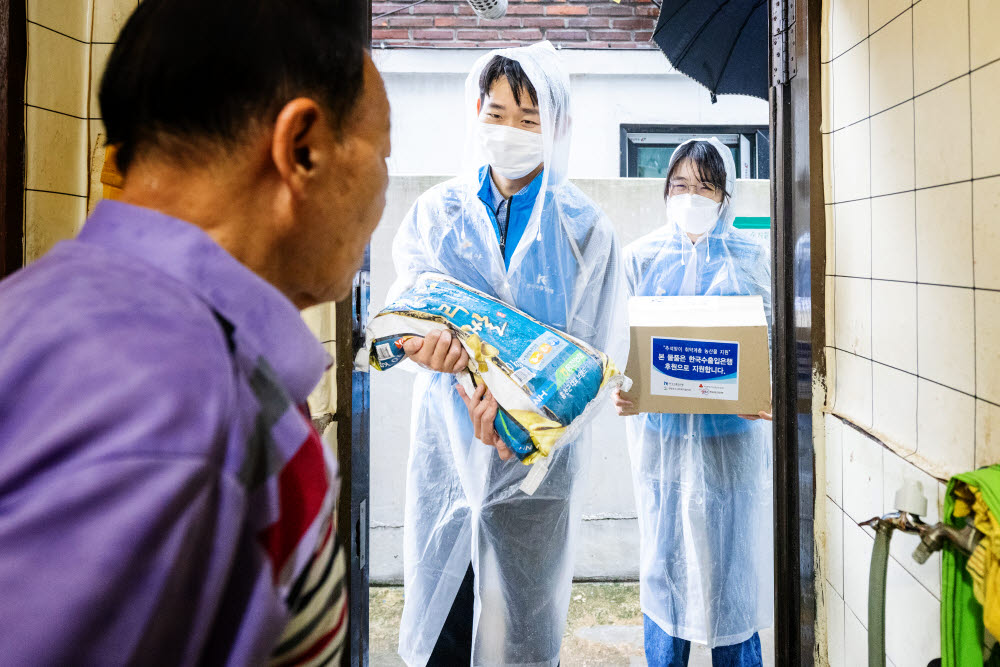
(482, 409)
(438, 351)
(760, 415)
(623, 406)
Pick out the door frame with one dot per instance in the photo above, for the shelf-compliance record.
(798, 255)
(13, 61)
(798, 289)
(352, 418)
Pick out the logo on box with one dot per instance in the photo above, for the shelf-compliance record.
(695, 368)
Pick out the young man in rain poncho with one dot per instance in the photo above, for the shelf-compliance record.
(487, 568)
(702, 482)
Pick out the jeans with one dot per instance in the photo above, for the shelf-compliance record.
(662, 650)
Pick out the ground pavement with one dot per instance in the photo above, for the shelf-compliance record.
(604, 628)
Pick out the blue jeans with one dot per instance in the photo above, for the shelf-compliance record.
(662, 650)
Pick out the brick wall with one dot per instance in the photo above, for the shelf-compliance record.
(586, 24)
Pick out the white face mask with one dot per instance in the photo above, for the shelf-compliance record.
(694, 214)
(511, 152)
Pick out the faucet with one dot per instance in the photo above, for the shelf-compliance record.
(911, 504)
(932, 538)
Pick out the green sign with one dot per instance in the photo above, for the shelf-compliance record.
(752, 223)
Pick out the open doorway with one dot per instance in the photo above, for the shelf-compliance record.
(798, 255)
(424, 55)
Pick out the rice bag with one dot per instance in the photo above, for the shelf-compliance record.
(548, 384)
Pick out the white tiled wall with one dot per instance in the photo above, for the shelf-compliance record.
(913, 191)
(912, 169)
(862, 478)
(68, 43)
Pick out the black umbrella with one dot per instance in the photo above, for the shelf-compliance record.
(721, 44)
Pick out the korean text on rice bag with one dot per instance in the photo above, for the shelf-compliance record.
(546, 382)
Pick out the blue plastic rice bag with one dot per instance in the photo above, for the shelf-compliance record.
(547, 383)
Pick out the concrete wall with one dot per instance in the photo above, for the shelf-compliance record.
(609, 544)
(426, 90)
(912, 154)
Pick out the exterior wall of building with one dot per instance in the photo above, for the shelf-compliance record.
(912, 159)
(589, 24)
(609, 88)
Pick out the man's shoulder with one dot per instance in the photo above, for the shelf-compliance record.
(581, 217)
(574, 201)
(131, 364)
(457, 188)
(84, 305)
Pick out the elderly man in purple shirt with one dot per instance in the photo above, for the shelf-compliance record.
(164, 498)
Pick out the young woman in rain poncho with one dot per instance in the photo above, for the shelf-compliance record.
(488, 569)
(702, 482)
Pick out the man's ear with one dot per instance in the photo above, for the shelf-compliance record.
(296, 142)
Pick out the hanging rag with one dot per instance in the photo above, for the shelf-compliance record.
(970, 585)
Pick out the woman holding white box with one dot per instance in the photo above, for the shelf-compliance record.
(702, 482)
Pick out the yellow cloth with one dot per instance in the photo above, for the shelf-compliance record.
(984, 563)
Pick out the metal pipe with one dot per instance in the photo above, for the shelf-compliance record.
(933, 538)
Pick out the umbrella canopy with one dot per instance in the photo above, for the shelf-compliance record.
(721, 44)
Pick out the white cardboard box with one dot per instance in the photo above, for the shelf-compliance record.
(699, 354)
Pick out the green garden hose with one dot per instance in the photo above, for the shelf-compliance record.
(876, 595)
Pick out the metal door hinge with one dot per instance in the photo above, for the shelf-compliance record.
(783, 64)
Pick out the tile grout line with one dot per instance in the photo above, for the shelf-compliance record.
(61, 113)
(871, 227)
(89, 158)
(911, 575)
(972, 224)
(45, 27)
(919, 377)
(882, 27)
(849, 608)
(843, 557)
(53, 192)
(891, 194)
(874, 437)
(834, 501)
(836, 387)
(916, 231)
(915, 95)
(914, 282)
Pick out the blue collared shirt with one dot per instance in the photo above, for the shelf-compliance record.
(510, 216)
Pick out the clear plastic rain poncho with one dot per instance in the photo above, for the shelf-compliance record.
(463, 504)
(703, 482)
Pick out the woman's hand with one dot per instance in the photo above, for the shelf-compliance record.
(759, 415)
(623, 406)
(439, 351)
(483, 407)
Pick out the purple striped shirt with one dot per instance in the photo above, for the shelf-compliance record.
(161, 493)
